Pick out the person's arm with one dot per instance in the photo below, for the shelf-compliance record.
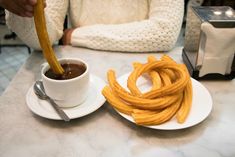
(158, 33)
(55, 13)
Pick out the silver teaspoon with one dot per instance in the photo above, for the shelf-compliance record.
(40, 92)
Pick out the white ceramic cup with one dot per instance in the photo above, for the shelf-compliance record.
(70, 92)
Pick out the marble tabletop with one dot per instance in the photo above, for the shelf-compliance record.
(105, 133)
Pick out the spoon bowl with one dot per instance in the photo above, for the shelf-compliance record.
(39, 90)
(41, 94)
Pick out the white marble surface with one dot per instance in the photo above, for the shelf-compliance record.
(104, 133)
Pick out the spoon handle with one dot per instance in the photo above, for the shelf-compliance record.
(59, 110)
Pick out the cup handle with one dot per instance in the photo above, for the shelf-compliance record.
(43, 65)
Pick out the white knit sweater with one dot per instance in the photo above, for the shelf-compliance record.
(115, 25)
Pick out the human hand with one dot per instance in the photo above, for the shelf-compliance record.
(66, 39)
(22, 8)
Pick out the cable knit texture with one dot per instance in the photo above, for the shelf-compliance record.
(114, 25)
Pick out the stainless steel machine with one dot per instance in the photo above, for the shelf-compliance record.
(210, 53)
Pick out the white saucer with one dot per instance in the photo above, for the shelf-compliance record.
(94, 101)
(201, 105)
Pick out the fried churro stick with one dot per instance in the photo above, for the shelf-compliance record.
(185, 107)
(167, 58)
(43, 37)
(140, 103)
(166, 90)
(155, 77)
(151, 58)
(136, 65)
(139, 111)
(156, 80)
(165, 78)
(169, 72)
(160, 104)
(158, 118)
(116, 102)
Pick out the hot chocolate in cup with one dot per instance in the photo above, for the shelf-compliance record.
(71, 88)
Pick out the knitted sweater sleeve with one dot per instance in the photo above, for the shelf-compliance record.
(24, 27)
(157, 33)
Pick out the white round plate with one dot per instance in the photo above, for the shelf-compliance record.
(94, 101)
(201, 105)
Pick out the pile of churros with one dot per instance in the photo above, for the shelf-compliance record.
(170, 95)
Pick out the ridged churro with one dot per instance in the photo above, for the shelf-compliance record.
(170, 95)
